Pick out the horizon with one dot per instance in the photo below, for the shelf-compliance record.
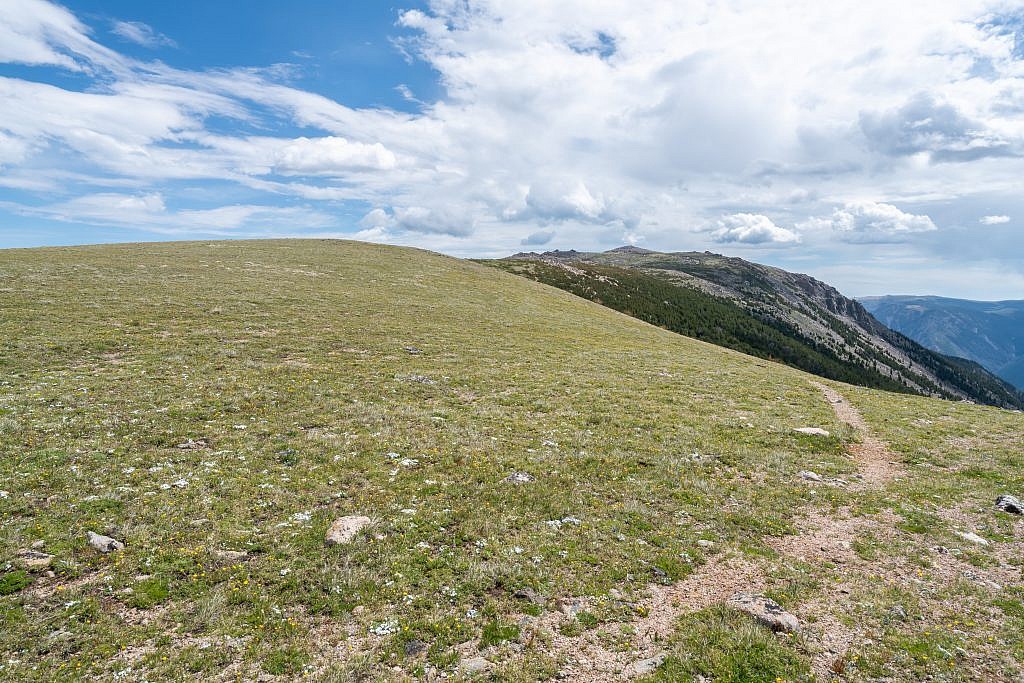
(877, 149)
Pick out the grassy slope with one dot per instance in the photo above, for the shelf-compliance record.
(111, 356)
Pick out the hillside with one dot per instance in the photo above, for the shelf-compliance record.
(990, 333)
(536, 486)
(766, 312)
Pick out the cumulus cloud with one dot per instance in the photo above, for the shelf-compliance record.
(601, 119)
(866, 221)
(433, 221)
(332, 155)
(926, 125)
(749, 228)
(539, 238)
(994, 220)
(141, 34)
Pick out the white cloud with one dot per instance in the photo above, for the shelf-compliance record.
(141, 34)
(603, 120)
(539, 238)
(864, 221)
(149, 211)
(994, 220)
(433, 221)
(748, 228)
(332, 155)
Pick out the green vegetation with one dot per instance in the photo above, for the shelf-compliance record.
(766, 312)
(724, 646)
(696, 314)
(198, 400)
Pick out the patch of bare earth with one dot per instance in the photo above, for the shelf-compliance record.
(587, 659)
(821, 538)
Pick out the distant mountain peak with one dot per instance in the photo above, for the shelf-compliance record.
(785, 316)
(630, 249)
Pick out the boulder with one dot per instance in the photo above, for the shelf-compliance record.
(1011, 504)
(474, 665)
(766, 611)
(519, 478)
(645, 667)
(344, 529)
(972, 537)
(104, 544)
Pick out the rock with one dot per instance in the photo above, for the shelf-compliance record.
(519, 478)
(972, 537)
(415, 647)
(1011, 504)
(809, 475)
(4, 494)
(706, 544)
(104, 544)
(385, 628)
(570, 607)
(344, 529)
(897, 612)
(33, 559)
(812, 431)
(230, 555)
(648, 666)
(38, 545)
(357, 610)
(474, 665)
(529, 595)
(765, 611)
(412, 350)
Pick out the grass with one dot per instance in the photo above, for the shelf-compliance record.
(195, 398)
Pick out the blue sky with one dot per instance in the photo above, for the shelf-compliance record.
(877, 147)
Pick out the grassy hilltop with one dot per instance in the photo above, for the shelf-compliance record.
(215, 406)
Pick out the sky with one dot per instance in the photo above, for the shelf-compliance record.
(878, 146)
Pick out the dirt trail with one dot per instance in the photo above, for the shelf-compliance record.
(821, 538)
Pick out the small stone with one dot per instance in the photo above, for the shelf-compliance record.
(38, 545)
(1011, 504)
(474, 665)
(812, 431)
(519, 478)
(972, 537)
(706, 544)
(648, 666)
(415, 647)
(357, 610)
(385, 628)
(5, 494)
(412, 350)
(570, 607)
(344, 529)
(766, 611)
(529, 595)
(104, 544)
(230, 555)
(33, 559)
(808, 475)
(897, 612)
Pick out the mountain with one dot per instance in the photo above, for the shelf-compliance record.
(523, 485)
(766, 312)
(990, 333)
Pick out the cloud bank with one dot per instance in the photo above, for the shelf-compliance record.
(789, 128)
